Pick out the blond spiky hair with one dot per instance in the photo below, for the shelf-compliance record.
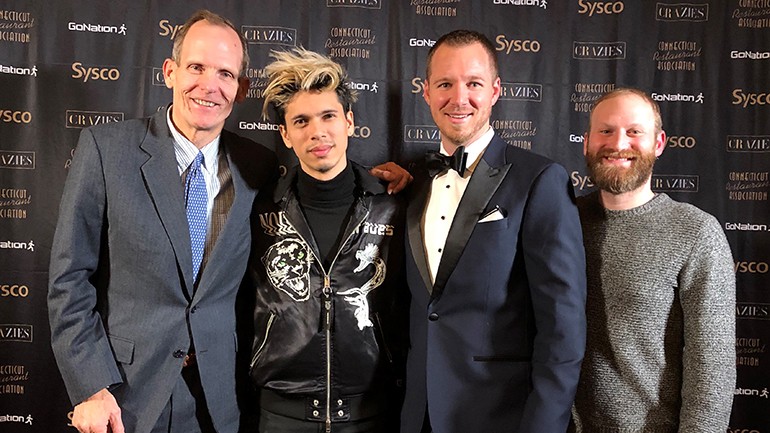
(303, 70)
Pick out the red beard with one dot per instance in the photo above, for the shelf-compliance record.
(617, 180)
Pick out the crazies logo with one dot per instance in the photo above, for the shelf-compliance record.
(84, 119)
(529, 92)
(421, 134)
(17, 160)
(598, 50)
(270, 35)
(681, 12)
(748, 143)
(675, 183)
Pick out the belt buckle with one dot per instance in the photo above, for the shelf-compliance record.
(189, 360)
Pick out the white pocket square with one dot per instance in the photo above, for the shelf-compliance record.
(494, 216)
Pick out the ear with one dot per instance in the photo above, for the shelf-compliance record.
(284, 136)
(243, 89)
(426, 91)
(585, 143)
(660, 143)
(496, 89)
(351, 123)
(169, 68)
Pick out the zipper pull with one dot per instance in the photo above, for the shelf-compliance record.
(328, 305)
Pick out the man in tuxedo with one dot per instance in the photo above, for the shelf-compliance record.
(141, 308)
(495, 265)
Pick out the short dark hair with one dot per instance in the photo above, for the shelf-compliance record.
(216, 19)
(461, 38)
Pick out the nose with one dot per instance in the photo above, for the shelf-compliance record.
(460, 95)
(619, 140)
(207, 81)
(316, 129)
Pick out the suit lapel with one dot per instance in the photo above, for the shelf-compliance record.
(415, 210)
(484, 182)
(239, 210)
(166, 191)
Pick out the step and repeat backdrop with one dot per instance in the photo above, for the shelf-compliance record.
(67, 65)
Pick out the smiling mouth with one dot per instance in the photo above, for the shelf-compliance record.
(203, 103)
(458, 115)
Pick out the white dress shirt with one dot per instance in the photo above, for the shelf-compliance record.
(186, 152)
(446, 191)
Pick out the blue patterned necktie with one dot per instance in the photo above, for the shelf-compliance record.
(195, 193)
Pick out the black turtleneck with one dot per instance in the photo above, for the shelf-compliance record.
(326, 205)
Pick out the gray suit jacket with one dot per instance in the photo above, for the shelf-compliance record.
(121, 304)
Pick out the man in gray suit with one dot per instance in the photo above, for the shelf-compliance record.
(143, 342)
(142, 309)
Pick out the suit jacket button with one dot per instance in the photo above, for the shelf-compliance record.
(433, 317)
(179, 354)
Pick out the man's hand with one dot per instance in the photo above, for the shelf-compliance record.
(98, 414)
(394, 174)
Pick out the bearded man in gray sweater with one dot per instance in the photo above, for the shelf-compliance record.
(660, 351)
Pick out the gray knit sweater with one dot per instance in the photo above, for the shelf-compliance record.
(660, 352)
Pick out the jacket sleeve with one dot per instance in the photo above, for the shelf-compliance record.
(552, 243)
(78, 337)
(707, 295)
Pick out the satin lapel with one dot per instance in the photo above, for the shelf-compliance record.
(164, 184)
(483, 184)
(414, 213)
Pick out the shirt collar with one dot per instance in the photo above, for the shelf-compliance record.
(475, 149)
(186, 151)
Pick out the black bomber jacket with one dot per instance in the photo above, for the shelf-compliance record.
(328, 332)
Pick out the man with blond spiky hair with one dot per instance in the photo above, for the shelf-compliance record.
(327, 267)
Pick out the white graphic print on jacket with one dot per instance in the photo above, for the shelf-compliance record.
(288, 262)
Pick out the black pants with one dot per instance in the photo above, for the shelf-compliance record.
(273, 423)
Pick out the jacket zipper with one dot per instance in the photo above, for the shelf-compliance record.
(327, 316)
(327, 292)
(264, 341)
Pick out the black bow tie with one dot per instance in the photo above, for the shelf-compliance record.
(438, 162)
